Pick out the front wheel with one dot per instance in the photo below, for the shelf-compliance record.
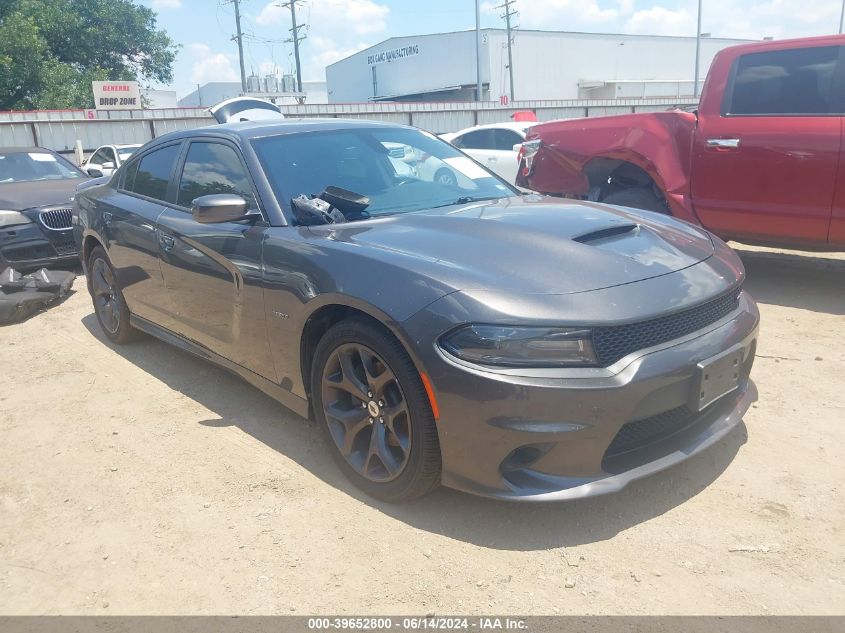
(109, 303)
(369, 398)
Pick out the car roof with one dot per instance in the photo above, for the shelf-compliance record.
(246, 130)
(507, 125)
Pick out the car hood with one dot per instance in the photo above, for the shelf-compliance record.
(531, 244)
(16, 196)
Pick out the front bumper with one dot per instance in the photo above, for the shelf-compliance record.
(29, 246)
(555, 435)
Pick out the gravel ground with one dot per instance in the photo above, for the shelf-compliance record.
(139, 480)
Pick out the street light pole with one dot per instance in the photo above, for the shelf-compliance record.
(478, 49)
(698, 50)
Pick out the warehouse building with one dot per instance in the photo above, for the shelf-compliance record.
(547, 65)
(280, 90)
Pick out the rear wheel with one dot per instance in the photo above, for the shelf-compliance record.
(371, 402)
(109, 304)
(637, 198)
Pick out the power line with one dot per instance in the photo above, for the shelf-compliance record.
(507, 15)
(239, 37)
(295, 37)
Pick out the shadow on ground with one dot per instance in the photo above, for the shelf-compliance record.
(809, 281)
(484, 522)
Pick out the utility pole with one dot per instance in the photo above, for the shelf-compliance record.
(842, 16)
(478, 94)
(240, 39)
(296, 38)
(697, 52)
(508, 14)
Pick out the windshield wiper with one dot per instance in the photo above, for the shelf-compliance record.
(465, 200)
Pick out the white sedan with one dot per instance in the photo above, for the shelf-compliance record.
(493, 145)
(107, 158)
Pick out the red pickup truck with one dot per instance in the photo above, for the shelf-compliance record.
(760, 161)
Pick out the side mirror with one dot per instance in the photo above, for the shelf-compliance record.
(94, 172)
(517, 147)
(223, 207)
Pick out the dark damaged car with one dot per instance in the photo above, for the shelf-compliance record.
(37, 187)
(460, 333)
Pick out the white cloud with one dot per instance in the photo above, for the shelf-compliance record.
(166, 4)
(333, 16)
(662, 21)
(750, 19)
(335, 28)
(210, 66)
(571, 15)
(327, 52)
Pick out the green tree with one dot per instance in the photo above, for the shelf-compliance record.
(51, 50)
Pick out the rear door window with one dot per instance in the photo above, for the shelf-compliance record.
(795, 81)
(153, 173)
(477, 139)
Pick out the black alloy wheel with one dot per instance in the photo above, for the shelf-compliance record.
(370, 399)
(109, 303)
(366, 412)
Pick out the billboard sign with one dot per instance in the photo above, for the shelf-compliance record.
(117, 95)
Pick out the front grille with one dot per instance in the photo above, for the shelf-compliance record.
(641, 433)
(614, 342)
(57, 219)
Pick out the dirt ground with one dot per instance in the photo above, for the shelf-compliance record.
(139, 480)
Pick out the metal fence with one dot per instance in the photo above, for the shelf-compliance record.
(60, 129)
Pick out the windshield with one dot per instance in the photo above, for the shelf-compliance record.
(125, 152)
(33, 166)
(398, 169)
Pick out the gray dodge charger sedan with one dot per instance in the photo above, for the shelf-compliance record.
(440, 330)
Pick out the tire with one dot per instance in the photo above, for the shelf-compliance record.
(109, 304)
(385, 443)
(637, 198)
(445, 176)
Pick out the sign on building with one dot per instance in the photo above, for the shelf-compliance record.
(394, 54)
(117, 95)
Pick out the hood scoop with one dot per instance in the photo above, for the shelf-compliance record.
(610, 231)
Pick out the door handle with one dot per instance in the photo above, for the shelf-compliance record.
(167, 243)
(107, 217)
(723, 143)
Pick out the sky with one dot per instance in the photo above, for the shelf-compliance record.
(338, 28)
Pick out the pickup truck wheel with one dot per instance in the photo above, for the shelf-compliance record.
(637, 198)
(370, 400)
(109, 303)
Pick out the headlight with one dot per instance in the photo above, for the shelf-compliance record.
(514, 346)
(12, 218)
